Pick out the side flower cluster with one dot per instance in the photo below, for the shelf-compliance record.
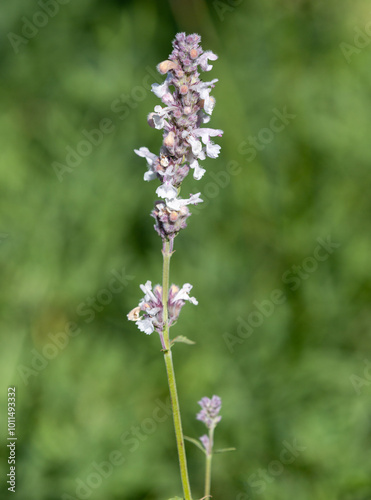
(209, 415)
(148, 315)
(187, 106)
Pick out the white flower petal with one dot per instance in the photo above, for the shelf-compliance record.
(149, 175)
(205, 118)
(150, 157)
(212, 150)
(203, 60)
(161, 89)
(209, 104)
(158, 121)
(183, 294)
(153, 311)
(195, 145)
(178, 203)
(167, 191)
(205, 133)
(198, 171)
(145, 325)
(146, 153)
(147, 290)
(194, 199)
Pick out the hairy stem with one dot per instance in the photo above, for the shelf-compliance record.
(167, 251)
(209, 456)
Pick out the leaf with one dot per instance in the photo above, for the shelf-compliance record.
(223, 450)
(183, 339)
(196, 443)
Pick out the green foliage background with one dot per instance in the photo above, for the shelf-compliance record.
(301, 375)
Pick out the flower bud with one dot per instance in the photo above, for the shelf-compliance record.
(173, 290)
(183, 89)
(134, 314)
(165, 66)
(169, 140)
(173, 216)
(193, 53)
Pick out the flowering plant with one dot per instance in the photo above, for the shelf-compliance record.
(187, 106)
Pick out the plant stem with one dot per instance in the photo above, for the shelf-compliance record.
(209, 456)
(167, 251)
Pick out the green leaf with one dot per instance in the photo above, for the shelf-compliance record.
(183, 339)
(196, 443)
(223, 450)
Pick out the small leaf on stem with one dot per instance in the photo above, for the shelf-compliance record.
(223, 450)
(196, 443)
(183, 340)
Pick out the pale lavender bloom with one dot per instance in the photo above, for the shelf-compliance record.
(209, 411)
(188, 105)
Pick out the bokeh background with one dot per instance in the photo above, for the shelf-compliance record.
(291, 218)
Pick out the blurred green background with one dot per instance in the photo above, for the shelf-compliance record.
(76, 242)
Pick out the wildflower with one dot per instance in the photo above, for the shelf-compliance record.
(188, 105)
(209, 411)
(209, 416)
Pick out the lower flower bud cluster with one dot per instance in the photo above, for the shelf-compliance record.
(169, 222)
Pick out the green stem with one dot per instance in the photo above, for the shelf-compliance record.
(209, 457)
(171, 375)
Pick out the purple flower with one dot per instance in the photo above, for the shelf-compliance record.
(209, 416)
(209, 411)
(207, 444)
